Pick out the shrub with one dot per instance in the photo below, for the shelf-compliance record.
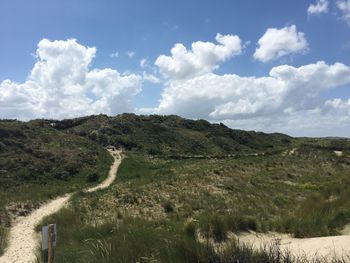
(247, 223)
(168, 207)
(237, 224)
(92, 177)
(190, 230)
(219, 229)
(62, 175)
(153, 151)
(3, 242)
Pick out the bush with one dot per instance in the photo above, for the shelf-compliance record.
(190, 230)
(237, 224)
(247, 223)
(93, 177)
(168, 207)
(62, 175)
(153, 151)
(219, 229)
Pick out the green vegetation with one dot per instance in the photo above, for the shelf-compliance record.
(181, 210)
(38, 163)
(184, 187)
(281, 192)
(140, 240)
(3, 242)
(321, 214)
(170, 135)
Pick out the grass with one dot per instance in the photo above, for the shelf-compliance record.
(3, 240)
(271, 192)
(320, 215)
(159, 208)
(141, 240)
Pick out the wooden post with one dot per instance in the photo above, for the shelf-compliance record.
(50, 244)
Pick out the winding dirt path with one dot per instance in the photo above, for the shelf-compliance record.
(22, 238)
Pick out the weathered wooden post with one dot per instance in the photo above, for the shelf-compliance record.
(48, 242)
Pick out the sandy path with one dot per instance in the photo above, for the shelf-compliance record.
(22, 238)
(112, 173)
(322, 247)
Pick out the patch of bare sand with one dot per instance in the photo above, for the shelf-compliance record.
(327, 248)
(338, 153)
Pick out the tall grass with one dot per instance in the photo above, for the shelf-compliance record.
(262, 193)
(3, 239)
(139, 240)
(321, 214)
(99, 228)
(272, 253)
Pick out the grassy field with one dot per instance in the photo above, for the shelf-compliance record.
(172, 210)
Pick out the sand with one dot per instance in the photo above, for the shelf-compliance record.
(322, 247)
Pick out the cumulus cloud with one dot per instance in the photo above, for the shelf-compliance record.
(320, 7)
(202, 58)
(61, 85)
(312, 122)
(283, 95)
(288, 99)
(286, 89)
(276, 43)
(344, 7)
(150, 77)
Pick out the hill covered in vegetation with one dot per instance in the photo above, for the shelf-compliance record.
(157, 134)
(38, 163)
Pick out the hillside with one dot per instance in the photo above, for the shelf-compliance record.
(176, 171)
(31, 153)
(170, 135)
(38, 163)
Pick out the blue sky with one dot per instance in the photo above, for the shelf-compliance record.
(149, 29)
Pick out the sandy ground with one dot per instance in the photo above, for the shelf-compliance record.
(22, 238)
(321, 247)
(338, 153)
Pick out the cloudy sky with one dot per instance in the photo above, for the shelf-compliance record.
(272, 65)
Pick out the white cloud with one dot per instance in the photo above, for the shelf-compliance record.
(61, 85)
(285, 93)
(288, 100)
(143, 63)
(150, 77)
(130, 54)
(114, 55)
(344, 7)
(144, 111)
(320, 7)
(313, 122)
(276, 43)
(202, 58)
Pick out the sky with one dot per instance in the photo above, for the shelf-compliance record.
(272, 65)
